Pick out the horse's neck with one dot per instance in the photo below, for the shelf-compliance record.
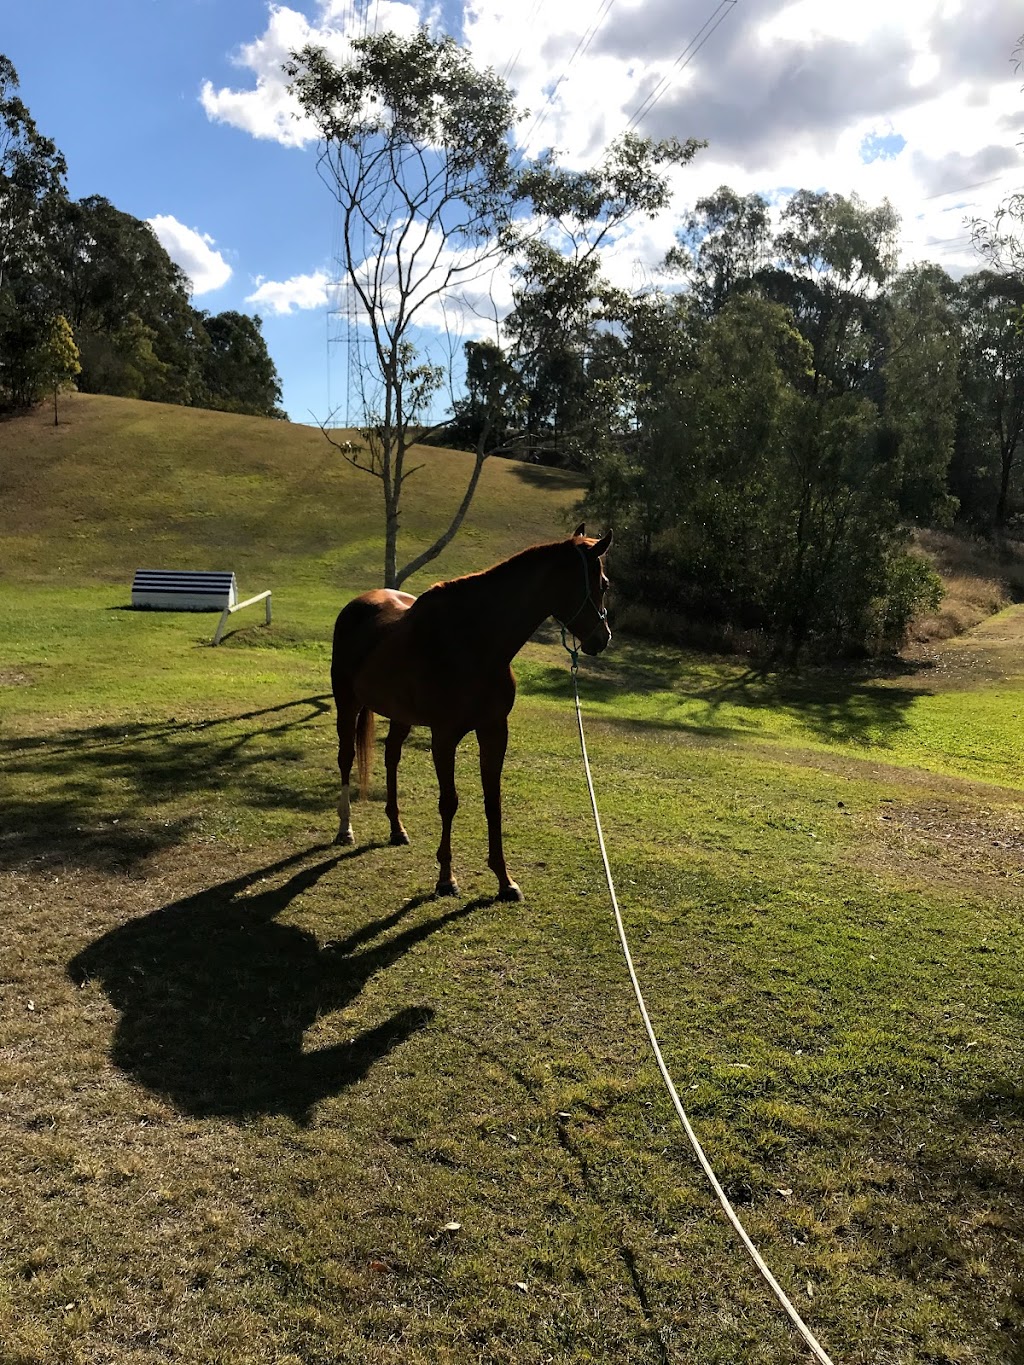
(512, 599)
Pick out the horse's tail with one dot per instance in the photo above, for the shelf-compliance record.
(364, 749)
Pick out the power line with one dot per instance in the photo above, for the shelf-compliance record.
(682, 61)
(581, 47)
(977, 184)
(509, 66)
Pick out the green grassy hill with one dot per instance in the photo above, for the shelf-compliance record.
(121, 484)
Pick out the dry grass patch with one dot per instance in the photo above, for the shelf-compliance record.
(979, 577)
(966, 602)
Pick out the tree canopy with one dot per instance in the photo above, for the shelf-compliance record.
(417, 147)
(771, 431)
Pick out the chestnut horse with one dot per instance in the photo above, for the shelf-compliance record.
(443, 660)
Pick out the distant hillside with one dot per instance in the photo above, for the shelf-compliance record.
(122, 483)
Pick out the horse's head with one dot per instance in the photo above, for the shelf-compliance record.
(582, 589)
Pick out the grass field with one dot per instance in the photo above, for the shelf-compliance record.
(266, 1101)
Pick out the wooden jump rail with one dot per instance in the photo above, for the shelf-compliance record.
(192, 590)
(228, 611)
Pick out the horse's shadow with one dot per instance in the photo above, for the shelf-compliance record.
(215, 996)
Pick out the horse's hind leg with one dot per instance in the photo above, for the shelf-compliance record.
(347, 713)
(397, 735)
(443, 748)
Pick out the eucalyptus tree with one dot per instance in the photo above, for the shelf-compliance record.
(417, 146)
(414, 144)
(919, 363)
(32, 173)
(238, 374)
(566, 316)
(999, 240)
(724, 243)
(991, 420)
(833, 258)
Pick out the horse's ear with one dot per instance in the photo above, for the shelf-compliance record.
(603, 545)
(581, 530)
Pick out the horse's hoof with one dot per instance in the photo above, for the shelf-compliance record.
(449, 888)
(399, 837)
(510, 893)
(344, 836)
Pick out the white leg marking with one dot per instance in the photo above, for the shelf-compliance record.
(345, 835)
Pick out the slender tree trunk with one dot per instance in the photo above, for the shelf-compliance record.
(1003, 503)
(391, 544)
(447, 536)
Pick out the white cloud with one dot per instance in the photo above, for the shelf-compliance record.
(785, 91)
(267, 110)
(193, 251)
(286, 296)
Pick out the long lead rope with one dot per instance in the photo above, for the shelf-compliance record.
(812, 1342)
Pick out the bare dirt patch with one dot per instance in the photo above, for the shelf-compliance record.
(956, 845)
(954, 841)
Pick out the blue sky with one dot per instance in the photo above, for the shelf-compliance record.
(117, 87)
(175, 111)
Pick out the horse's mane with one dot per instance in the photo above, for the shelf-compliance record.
(496, 572)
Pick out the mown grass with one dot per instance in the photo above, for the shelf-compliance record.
(251, 1082)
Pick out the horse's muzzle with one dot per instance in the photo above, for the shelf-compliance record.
(595, 643)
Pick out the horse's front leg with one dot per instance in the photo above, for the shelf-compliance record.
(443, 747)
(493, 741)
(397, 736)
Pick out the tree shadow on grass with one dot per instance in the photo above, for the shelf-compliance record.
(841, 706)
(548, 477)
(92, 797)
(965, 1211)
(574, 1150)
(215, 996)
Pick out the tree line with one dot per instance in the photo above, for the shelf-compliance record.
(87, 293)
(765, 436)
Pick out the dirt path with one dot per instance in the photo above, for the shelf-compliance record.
(992, 651)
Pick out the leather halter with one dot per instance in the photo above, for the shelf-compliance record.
(602, 612)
